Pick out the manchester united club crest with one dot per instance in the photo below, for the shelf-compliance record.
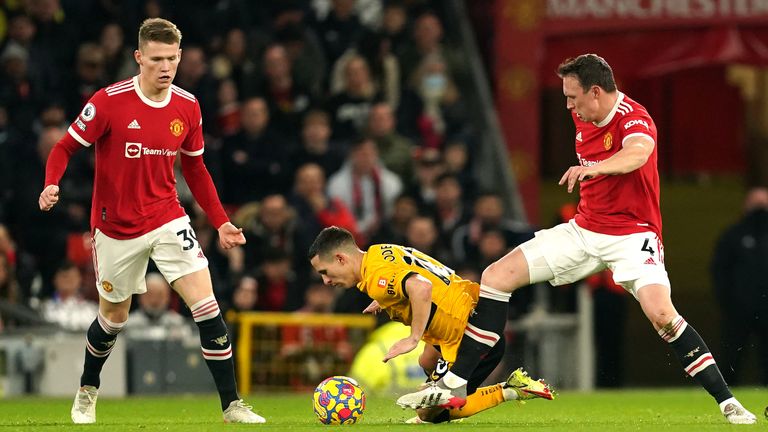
(177, 127)
(107, 286)
(608, 141)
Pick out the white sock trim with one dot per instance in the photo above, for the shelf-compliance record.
(108, 326)
(494, 294)
(205, 309)
(677, 327)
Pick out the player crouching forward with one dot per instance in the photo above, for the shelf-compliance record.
(461, 322)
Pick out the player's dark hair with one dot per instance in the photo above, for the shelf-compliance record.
(590, 70)
(158, 30)
(329, 240)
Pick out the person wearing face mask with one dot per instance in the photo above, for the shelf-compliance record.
(740, 257)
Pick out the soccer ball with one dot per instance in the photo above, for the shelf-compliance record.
(339, 400)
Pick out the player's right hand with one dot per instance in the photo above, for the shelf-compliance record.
(48, 197)
(372, 308)
(401, 347)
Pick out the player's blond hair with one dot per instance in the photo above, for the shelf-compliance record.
(158, 30)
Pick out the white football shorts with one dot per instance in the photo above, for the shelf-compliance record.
(568, 253)
(122, 264)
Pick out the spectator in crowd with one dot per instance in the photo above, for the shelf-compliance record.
(396, 150)
(457, 162)
(491, 246)
(22, 32)
(21, 266)
(316, 146)
(427, 46)
(56, 34)
(254, 161)
(153, 318)
(394, 22)
(314, 208)
(67, 308)
(349, 108)
(9, 146)
(366, 187)
(193, 76)
(43, 236)
(394, 230)
(90, 76)
(278, 287)
(429, 167)
(368, 11)
(274, 226)
(383, 65)
(235, 63)
(228, 118)
(488, 214)
(449, 209)
(432, 106)
(741, 289)
(21, 92)
(423, 236)
(288, 101)
(118, 58)
(302, 44)
(246, 294)
(9, 288)
(339, 30)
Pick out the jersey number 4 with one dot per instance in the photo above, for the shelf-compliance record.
(647, 248)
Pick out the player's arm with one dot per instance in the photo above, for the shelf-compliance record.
(57, 163)
(200, 183)
(634, 153)
(419, 292)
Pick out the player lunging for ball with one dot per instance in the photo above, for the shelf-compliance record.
(137, 127)
(617, 225)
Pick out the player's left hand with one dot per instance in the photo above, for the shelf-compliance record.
(401, 347)
(230, 236)
(577, 173)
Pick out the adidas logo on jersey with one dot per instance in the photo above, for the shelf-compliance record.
(134, 125)
(578, 136)
(650, 261)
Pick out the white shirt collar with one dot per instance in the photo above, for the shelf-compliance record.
(610, 115)
(148, 101)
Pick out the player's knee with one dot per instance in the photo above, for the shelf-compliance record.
(502, 277)
(116, 316)
(661, 317)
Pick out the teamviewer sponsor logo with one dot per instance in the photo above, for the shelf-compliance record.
(132, 150)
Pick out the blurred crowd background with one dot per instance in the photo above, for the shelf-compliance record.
(316, 113)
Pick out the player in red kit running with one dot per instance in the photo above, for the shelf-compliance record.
(617, 225)
(137, 127)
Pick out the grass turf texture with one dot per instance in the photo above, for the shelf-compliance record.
(631, 410)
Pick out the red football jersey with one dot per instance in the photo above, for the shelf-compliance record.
(136, 142)
(618, 204)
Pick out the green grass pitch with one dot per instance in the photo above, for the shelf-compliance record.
(627, 410)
